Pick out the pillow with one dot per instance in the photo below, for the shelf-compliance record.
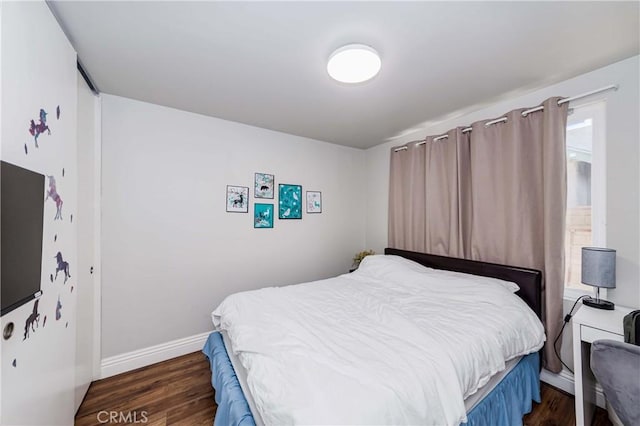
(381, 266)
(511, 286)
(377, 264)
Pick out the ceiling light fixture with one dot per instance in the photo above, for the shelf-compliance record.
(354, 63)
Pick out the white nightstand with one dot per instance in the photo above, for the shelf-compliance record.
(591, 324)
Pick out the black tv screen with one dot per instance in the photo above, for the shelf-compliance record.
(21, 212)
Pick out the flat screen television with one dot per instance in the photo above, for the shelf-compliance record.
(22, 196)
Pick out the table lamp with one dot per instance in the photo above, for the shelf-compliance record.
(598, 270)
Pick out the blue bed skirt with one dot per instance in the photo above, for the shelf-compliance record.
(505, 405)
(233, 409)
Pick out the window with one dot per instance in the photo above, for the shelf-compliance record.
(585, 190)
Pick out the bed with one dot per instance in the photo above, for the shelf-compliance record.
(409, 338)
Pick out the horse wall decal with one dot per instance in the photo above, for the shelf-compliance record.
(32, 320)
(38, 129)
(62, 266)
(58, 310)
(52, 193)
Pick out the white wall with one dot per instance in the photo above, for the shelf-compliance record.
(170, 252)
(39, 71)
(86, 218)
(623, 163)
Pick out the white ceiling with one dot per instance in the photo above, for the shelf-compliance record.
(264, 63)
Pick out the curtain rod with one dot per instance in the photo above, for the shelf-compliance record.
(524, 114)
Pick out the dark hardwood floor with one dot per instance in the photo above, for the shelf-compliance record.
(557, 409)
(178, 392)
(173, 392)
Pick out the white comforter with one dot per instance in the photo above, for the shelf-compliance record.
(392, 343)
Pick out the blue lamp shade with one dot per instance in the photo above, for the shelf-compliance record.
(599, 267)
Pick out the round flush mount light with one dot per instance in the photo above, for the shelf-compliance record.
(354, 63)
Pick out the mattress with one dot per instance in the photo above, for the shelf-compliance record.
(241, 374)
(469, 403)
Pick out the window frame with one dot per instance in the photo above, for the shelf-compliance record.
(596, 109)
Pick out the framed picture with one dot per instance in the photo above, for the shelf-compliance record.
(263, 185)
(314, 202)
(262, 215)
(237, 199)
(290, 201)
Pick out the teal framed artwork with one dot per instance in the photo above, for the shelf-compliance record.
(262, 215)
(290, 201)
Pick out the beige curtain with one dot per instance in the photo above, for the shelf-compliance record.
(429, 185)
(448, 221)
(407, 199)
(496, 194)
(518, 194)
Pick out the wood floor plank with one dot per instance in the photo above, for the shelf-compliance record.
(196, 412)
(557, 409)
(178, 392)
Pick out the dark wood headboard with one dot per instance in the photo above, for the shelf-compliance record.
(529, 280)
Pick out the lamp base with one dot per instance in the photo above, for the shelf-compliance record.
(598, 303)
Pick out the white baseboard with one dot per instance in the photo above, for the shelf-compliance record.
(142, 357)
(564, 381)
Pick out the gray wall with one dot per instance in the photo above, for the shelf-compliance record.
(622, 165)
(170, 252)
